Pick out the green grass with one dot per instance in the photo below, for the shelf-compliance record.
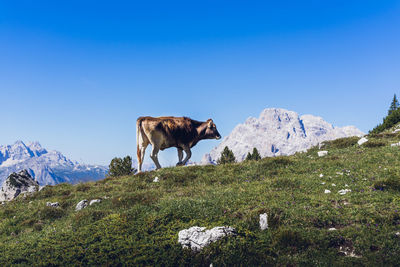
(138, 221)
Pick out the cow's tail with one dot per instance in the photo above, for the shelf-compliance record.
(138, 140)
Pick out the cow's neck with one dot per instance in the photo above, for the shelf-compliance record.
(201, 131)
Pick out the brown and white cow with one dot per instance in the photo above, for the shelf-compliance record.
(164, 132)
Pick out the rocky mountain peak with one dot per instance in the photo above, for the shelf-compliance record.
(277, 132)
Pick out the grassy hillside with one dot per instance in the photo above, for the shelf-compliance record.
(138, 221)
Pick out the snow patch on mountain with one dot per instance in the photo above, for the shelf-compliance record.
(46, 167)
(279, 132)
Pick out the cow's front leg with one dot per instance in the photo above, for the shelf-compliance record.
(188, 155)
(180, 156)
(154, 156)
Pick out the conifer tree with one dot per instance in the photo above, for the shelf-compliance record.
(256, 155)
(253, 156)
(394, 105)
(120, 167)
(227, 156)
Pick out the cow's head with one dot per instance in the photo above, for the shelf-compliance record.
(211, 130)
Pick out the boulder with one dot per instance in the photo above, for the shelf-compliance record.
(81, 205)
(362, 141)
(322, 153)
(18, 183)
(197, 237)
(263, 221)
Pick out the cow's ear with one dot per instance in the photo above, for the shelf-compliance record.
(210, 123)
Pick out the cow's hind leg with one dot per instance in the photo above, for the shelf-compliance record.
(154, 155)
(188, 155)
(141, 149)
(180, 156)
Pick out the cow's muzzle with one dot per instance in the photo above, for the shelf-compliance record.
(218, 137)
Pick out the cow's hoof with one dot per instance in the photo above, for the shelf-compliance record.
(179, 164)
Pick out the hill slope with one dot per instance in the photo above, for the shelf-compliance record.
(138, 220)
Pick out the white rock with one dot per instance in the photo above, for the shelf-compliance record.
(362, 141)
(327, 191)
(197, 238)
(16, 184)
(81, 205)
(322, 153)
(344, 191)
(52, 204)
(332, 229)
(323, 183)
(333, 185)
(263, 221)
(339, 173)
(396, 131)
(395, 144)
(346, 185)
(156, 179)
(321, 175)
(93, 201)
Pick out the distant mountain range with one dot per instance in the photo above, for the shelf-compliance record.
(278, 132)
(46, 167)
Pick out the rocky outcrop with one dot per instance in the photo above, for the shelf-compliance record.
(18, 183)
(197, 237)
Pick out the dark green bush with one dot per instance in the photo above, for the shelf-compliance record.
(341, 142)
(291, 238)
(392, 183)
(50, 213)
(374, 143)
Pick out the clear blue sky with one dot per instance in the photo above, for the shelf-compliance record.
(75, 75)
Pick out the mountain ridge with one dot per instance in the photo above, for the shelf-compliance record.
(47, 167)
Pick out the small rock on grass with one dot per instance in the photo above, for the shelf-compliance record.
(93, 201)
(263, 221)
(197, 237)
(81, 205)
(52, 204)
(327, 191)
(322, 153)
(344, 191)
